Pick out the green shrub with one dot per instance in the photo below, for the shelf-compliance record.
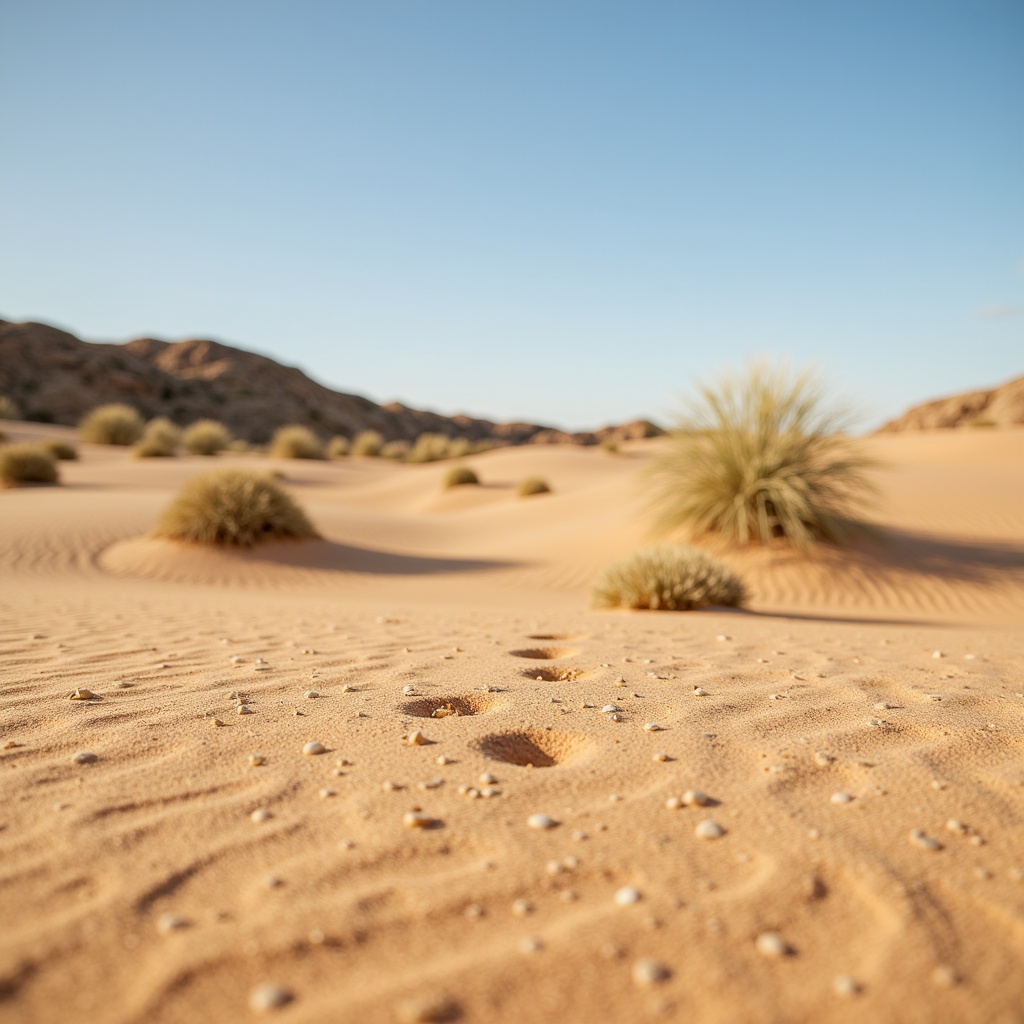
(206, 437)
(762, 456)
(233, 507)
(533, 485)
(112, 424)
(669, 578)
(26, 464)
(160, 439)
(9, 409)
(459, 476)
(367, 443)
(397, 450)
(296, 442)
(61, 450)
(338, 447)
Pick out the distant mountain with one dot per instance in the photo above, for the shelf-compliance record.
(998, 407)
(55, 377)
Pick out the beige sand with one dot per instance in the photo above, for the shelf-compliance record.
(139, 889)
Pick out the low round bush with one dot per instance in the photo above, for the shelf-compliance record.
(206, 437)
(533, 485)
(430, 448)
(112, 424)
(296, 442)
(61, 450)
(26, 464)
(610, 445)
(9, 409)
(338, 447)
(234, 507)
(160, 439)
(367, 443)
(459, 476)
(669, 578)
(397, 450)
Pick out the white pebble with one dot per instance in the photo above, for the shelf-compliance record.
(314, 747)
(673, 803)
(627, 896)
(699, 691)
(541, 821)
(168, 923)
(708, 829)
(269, 996)
(610, 709)
(327, 792)
(661, 756)
(244, 709)
(487, 779)
(653, 727)
(521, 908)
(771, 944)
(924, 842)
(237, 659)
(434, 783)
(256, 760)
(82, 694)
(409, 691)
(847, 986)
(530, 944)
(441, 760)
(841, 798)
(696, 798)
(649, 972)
(261, 814)
(85, 757)
(417, 819)
(416, 738)
(937, 654)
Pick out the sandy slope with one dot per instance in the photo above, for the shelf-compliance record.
(455, 595)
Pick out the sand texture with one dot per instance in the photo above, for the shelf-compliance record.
(858, 733)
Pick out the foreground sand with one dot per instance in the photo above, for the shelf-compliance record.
(139, 888)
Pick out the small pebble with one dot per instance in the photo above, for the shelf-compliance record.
(673, 803)
(272, 882)
(661, 756)
(244, 709)
(696, 798)
(441, 760)
(648, 972)
(237, 659)
(487, 779)
(261, 814)
(257, 760)
(168, 923)
(924, 842)
(522, 907)
(937, 654)
(709, 829)
(311, 695)
(409, 691)
(772, 944)
(417, 819)
(627, 896)
(348, 689)
(82, 694)
(699, 691)
(313, 748)
(610, 709)
(269, 996)
(841, 798)
(434, 783)
(823, 759)
(541, 821)
(327, 792)
(945, 976)
(653, 727)
(428, 1010)
(846, 986)
(416, 739)
(530, 944)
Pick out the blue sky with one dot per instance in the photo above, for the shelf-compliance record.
(556, 211)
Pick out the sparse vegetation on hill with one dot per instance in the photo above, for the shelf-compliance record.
(160, 439)
(206, 437)
(460, 476)
(533, 485)
(368, 444)
(668, 578)
(116, 424)
(234, 507)
(762, 456)
(295, 442)
(26, 464)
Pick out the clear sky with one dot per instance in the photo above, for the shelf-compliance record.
(543, 209)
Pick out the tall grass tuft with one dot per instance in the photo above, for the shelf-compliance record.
(206, 437)
(533, 485)
(159, 440)
(233, 507)
(295, 442)
(112, 424)
(367, 443)
(338, 447)
(459, 476)
(670, 578)
(26, 464)
(760, 456)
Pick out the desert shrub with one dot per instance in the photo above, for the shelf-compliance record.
(671, 578)
(112, 424)
(61, 450)
(610, 445)
(338, 447)
(367, 443)
(458, 447)
(533, 485)
(233, 507)
(761, 456)
(984, 421)
(397, 450)
(296, 442)
(206, 437)
(26, 464)
(430, 448)
(459, 476)
(160, 439)
(8, 408)
(240, 446)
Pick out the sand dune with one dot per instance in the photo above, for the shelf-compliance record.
(138, 888)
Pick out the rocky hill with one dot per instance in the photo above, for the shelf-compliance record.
(54, 377)
(997, 407)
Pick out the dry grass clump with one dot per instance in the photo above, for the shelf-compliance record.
(459, 476)
(761, 456)
(112, 424)
(430, 448)
(397, 450)
(368, 444)
(160, 439)
(233, 507)
(26, 464)
(533, 485)
(8, 408)
(610, 445)
(295, 442)
(671, 578)
(61, 450)
(206, 437)
(338, 447)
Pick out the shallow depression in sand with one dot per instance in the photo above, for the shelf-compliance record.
(540, 748)
(544, 653)
(427, 707)
(568, 674)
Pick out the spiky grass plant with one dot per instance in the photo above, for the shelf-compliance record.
(26, 464)
(338, 447)
(159, 440)
(368, 444)
(672, 578)
(762, 455)
(112, 424)
(460, 476)
(61, 450)
(206, 437)
(295, 442)
(233, 507)
(533, 485)
(8, 408)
